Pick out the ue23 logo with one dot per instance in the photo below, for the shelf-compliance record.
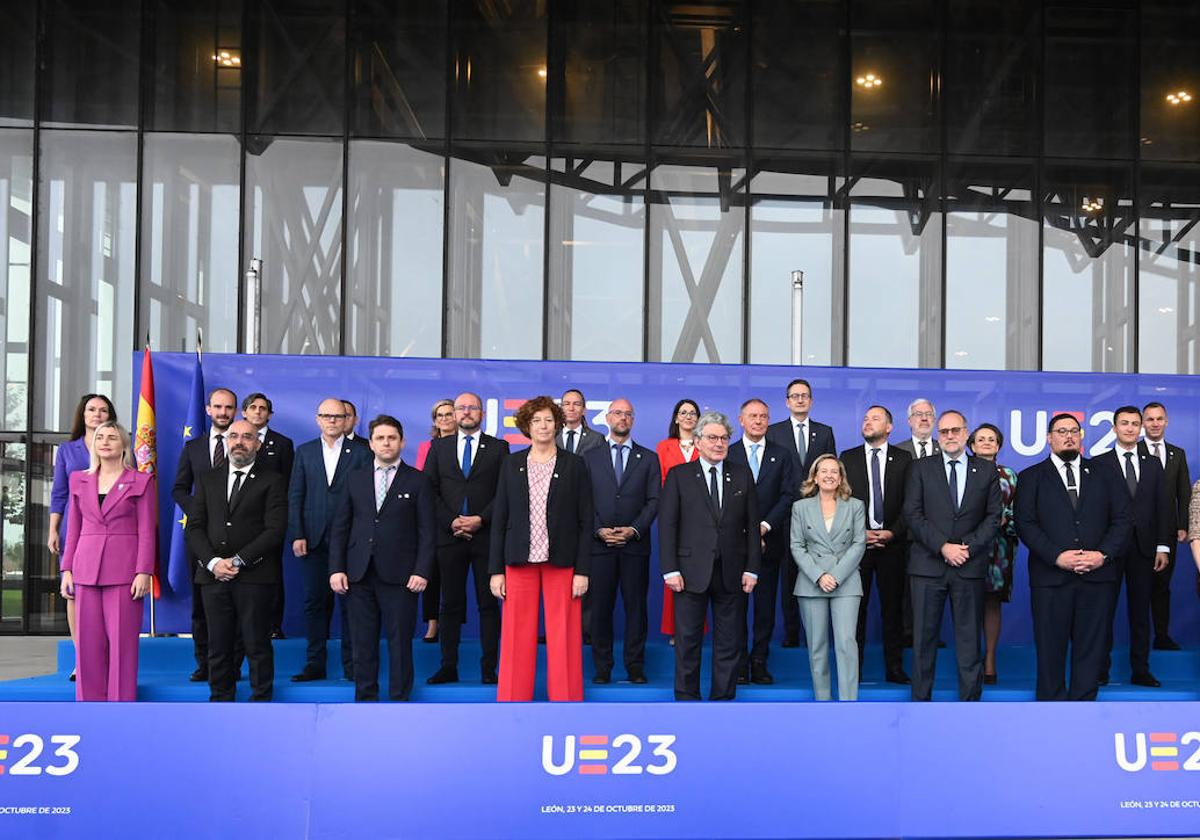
(28, 764)
(596, 756)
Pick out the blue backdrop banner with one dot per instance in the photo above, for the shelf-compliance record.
(1020, 403)
(599, 770)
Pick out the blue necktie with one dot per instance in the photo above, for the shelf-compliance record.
(954, 484)
(876, 489)
(754, 465)
(619, 462)
(571, 441)
(466, 466)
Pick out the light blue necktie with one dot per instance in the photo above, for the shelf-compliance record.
(466, 466)
(619, 462)
(381, 490)
(754, 465)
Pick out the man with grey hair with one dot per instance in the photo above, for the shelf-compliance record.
(710, 548)
(921, 415)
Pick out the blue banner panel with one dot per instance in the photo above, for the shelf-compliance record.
(1019, 403)
(627, 770)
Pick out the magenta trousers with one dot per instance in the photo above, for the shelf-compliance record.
(108, 621)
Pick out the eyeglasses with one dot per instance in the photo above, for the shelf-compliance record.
(924, 415)
(330, 417)
(1066, 433)
(686, 412)
(445, 415)
(716, 438)
(619, 412)
(952, 431)
(467, 409)
(799, 397)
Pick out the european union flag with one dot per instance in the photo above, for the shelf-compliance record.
(179, 569)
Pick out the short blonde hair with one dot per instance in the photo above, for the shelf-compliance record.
(809, 487)
(434, 431)
(126, 448)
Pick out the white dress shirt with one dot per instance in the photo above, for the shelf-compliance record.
(233, 471)
(331, 454)
(1060, 465)
(883, 450)
(1137, 472)
(761, 443)
(213, 434)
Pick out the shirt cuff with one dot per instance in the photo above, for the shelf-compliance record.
(636, 533)
(670, 575)
(212, 564)
(767, 524)
(1163, 549)
(751, 574)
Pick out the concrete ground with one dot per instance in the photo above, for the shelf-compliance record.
(28, 656)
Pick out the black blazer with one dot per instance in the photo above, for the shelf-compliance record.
(253, 527)
(450, 486)
(776, 488)
(1049, 525)
(820, 442)
(633, 504)
(569, 514)
(194, 461)
(400, 536)
(1150, 508)
(895, 480)
(277, 453)
(587, 440)
(692, 537)
(932, 521)
(1179, 484)
(312, 499)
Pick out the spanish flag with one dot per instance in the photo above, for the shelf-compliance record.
(145, 447)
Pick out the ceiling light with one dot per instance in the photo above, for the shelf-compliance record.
(992, 319)
(541, 72)
(869, 81)
(1165, 310)
(1179, 97)
(1093, 206)
(225, 58)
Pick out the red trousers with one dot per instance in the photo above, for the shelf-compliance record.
(108, 621)
(524, 587)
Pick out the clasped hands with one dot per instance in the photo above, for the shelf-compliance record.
(339, 582)
(617, 536)
(1080, 561)
(465, 527)
(955, 554)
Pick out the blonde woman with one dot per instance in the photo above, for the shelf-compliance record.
(828, 541)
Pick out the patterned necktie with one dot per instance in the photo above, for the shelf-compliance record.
(619, 462)
(1130, 475)
(218, 458)
(1072, 487)
(802, 441)
(954, 484)
(571, 441)
(381, 488)
(754, 464)
(923, 452)
(876, 489)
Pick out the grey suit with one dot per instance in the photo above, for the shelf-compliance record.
(908, 446)
(586, 439)
(836, 551)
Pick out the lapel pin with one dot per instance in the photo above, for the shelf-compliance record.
(482, 445)
(120, 486)
(772, 459)
(251, 475)
(637, 455)
(406, 495)
(556, 475)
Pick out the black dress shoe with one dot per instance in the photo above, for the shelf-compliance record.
(898, 677)
(430, 639)
(743, 676)
(587, 639)
(277, 634)
(637, 677)
(488, 677)
(1146, 679)
(791, 642)
(602, 678)
(941, 644)
(1166, 643)
(199, 675)
(72, 677)
(759, 675)
(443, 675)
(1103, 679)
(308, 675)
(989, 679)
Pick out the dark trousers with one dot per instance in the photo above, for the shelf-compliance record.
(200, 633)
(455, 562)
(392, 606)
(1160, 597)
(1076, 614)
(763, 599)
(318, 613)
(277, 607)
(1139, 585)
(728, 634)
(791, 611)
(631, 574)
(929, 596)
(431, 597)
(239, 609)
(886, 567)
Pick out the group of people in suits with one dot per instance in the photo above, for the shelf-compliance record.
(775, 517)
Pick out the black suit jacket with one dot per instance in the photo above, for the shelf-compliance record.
(932, 521)
(1049, 525)
(776, 488)
(568, 514)
(692, 536)
(1179, 484)
(194, 461)
(908, 446)
(633, 504)
(895, 481)
(587, 440)
(399, 536)
(277, 453)
(450, 486)
(820, 442)
(1150, 509)
(253, 526)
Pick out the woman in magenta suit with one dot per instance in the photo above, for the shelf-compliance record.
(92, 410)
(678, 448)
(107, 563)
(444, 425)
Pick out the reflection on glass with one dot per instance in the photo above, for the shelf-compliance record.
(597, 230)
(497, 206)
(18, 37)
(89, 72)
(294, 225)
(697, 233)
(1087, 271)
(1170, 64)
(794, 227)
(47, 609)
(12, 533)
(193, 66)
(16, 214)
(395, 242)
(1168, 275)
(87, 197)
(190, 241)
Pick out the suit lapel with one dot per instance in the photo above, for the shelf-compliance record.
(119, 489)
(343, 463)
(89, 493)
(698, 471)
(246, 482)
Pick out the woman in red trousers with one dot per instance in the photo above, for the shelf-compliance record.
(107, 563)
(541, 520)
(678, 448)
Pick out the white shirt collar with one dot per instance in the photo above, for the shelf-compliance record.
(337, 444)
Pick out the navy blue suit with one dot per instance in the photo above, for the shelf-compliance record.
(379, 551)
(312, 503)
(776, 488)
(633, 503)
(1071, 608)
(277, 454)
(820, 442)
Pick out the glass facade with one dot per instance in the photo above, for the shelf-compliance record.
(949, 183)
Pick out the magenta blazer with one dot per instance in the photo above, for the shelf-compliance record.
(107, 546)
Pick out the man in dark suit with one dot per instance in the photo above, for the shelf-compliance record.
(316, 489)
(710, 552)
(952, 507)
(236, 529)
(776, 486)
(878, 473)
(199, 455)
(464, 470)
(350, 427)
(381, 555)
(806, 440)
(921, 444)
(625, 480)
(1149, 545)
(1073, 516)
(576, 436)
(275, 452)
(1179, 497)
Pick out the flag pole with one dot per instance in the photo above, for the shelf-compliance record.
(153, 596)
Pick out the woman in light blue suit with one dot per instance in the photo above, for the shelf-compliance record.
(828, 541)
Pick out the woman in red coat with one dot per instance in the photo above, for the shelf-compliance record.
(678, 448)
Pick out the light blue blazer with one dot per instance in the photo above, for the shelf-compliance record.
(837, 551)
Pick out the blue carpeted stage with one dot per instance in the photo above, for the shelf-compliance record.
(166, 663)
